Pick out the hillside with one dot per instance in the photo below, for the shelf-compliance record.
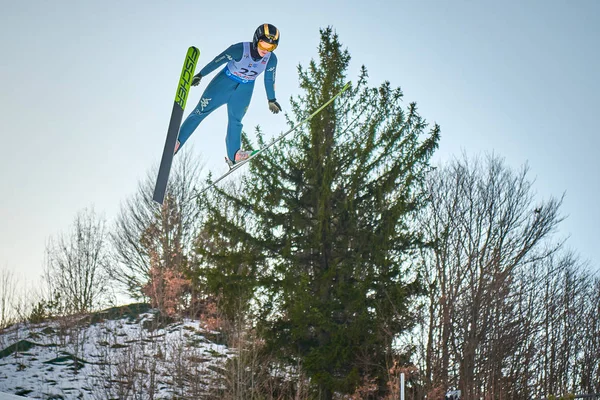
(114, 354)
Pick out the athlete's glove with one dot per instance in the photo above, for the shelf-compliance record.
(274, 106)
(196, 79)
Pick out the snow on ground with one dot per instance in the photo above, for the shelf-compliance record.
(6, 396)
(98, 357)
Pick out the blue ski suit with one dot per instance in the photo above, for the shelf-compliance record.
(233, 86)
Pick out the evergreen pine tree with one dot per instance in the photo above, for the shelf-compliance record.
(322, 237)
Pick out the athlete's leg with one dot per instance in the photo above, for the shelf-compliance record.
(236, 109)
(215, 95)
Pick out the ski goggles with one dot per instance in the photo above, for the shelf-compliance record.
(265, 46)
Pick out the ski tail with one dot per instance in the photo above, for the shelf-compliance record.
(299, 124)
(185, 80)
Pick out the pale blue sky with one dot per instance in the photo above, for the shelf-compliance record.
(88, 86)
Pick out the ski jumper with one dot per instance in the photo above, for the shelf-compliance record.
(233, 86)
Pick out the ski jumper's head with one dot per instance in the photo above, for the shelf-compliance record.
(266, 39)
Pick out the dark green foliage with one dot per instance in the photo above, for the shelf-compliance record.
(132, 311)
(75, 363)
(322, 238)
(46, 309)
(19, 347)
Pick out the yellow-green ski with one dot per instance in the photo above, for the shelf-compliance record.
(185, 80)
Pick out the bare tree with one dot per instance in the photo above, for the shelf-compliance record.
(485, 228)
(8, 293)
(568, 340)
(77, 262)
(153, 243)
(590, 347)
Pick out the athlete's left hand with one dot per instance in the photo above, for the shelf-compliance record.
(274, 106)
(196, 79)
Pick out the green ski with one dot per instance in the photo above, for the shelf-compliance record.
(187, 73)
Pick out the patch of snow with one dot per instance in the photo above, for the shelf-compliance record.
(111, 358)
(6, 396)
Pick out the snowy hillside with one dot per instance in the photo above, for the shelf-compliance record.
(115, 354)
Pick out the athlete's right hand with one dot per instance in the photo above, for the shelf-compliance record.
(196, 79)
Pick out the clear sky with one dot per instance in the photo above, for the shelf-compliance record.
(87, 89)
